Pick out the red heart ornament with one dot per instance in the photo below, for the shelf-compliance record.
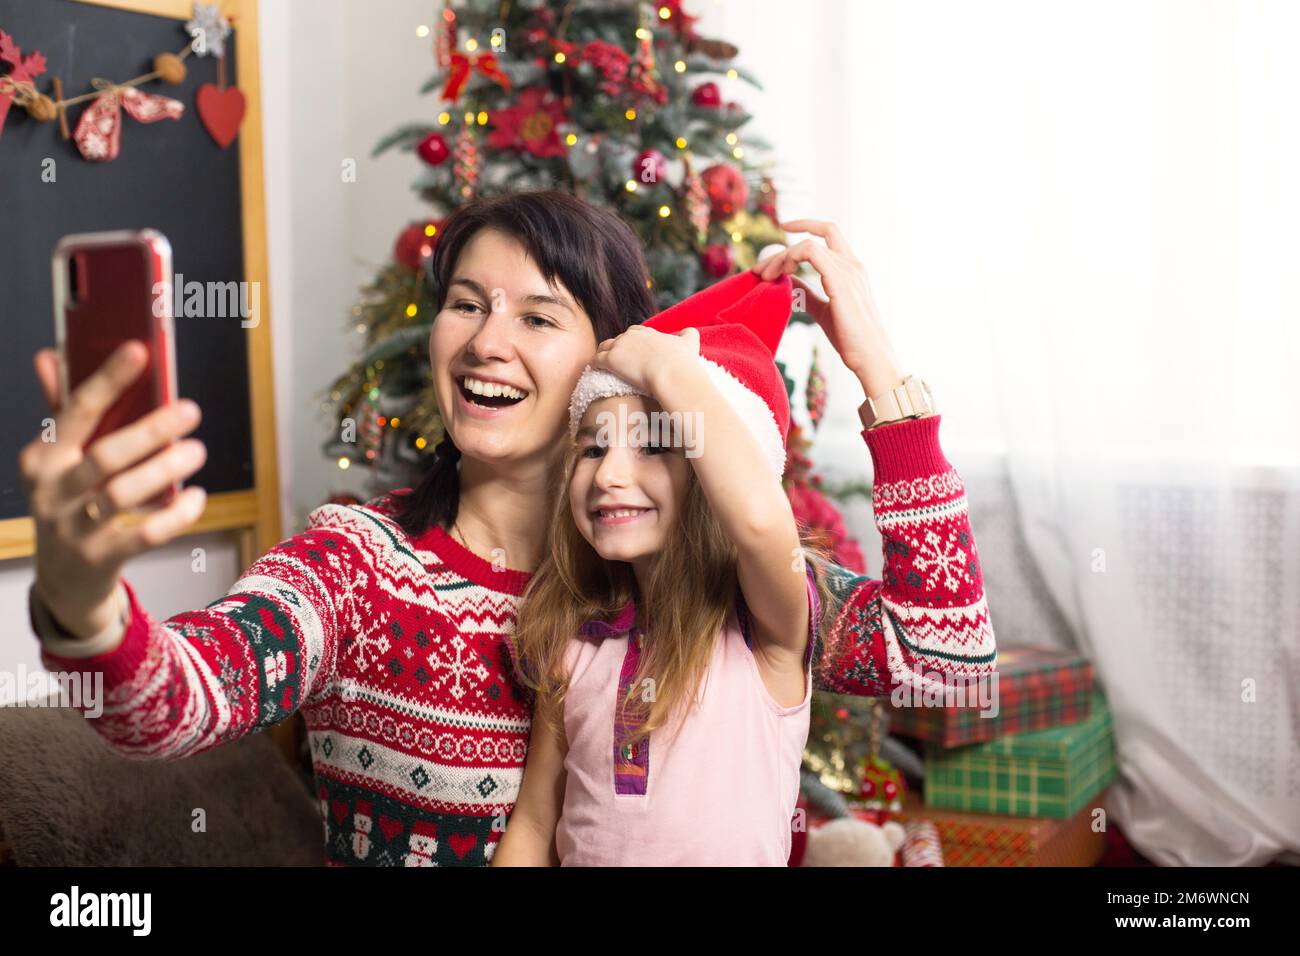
(221, 111)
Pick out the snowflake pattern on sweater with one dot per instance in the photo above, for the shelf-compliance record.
(398, 654)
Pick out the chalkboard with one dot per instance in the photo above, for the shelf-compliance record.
(169, 175)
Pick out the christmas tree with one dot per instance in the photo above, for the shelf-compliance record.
(618, 102)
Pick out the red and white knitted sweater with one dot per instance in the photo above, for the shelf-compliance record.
(397, 652)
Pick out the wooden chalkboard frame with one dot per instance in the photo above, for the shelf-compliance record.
(254, 514)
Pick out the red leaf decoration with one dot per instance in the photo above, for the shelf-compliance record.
(34, 63)
(9, 51)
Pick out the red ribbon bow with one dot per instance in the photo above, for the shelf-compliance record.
(98, 132)
(462, 65)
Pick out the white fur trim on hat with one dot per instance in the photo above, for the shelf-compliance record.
(594, 384)
(754, 412)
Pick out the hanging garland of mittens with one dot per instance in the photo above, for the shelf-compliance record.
(99, 130)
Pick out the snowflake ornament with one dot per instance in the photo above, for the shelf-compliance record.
(209, 30)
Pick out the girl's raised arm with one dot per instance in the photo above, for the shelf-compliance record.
(744, 492)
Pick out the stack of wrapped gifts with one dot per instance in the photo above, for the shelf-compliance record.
(1023, 787)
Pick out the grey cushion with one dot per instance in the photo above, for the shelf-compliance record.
(67, 800)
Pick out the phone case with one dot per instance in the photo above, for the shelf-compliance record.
(110, 287)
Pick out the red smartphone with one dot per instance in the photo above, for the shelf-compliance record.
(110, 287)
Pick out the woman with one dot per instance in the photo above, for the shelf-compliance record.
(387, 624)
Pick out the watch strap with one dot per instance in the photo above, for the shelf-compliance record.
(59, 642)
(911, 398)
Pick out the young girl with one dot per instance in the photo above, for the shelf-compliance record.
(673, 734)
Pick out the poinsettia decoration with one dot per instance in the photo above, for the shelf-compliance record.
(611, 61)
(532, 125)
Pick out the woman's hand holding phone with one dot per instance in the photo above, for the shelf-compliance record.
(78, 558)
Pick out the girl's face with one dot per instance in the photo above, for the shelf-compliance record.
(626, 491)
(506, 351)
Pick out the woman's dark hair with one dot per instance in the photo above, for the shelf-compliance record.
(590, 250)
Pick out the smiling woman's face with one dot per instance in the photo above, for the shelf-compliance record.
(506, 352)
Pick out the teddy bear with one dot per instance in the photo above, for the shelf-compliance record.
(848, 841)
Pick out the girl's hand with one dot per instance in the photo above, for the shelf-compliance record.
(850, 317)
(640, 355)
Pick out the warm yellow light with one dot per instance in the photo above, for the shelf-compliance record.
(630, 114)
(343, 463)
(496, 39)
(680, 66)
(736, 236)
(731, 139)
(732, 74)
(664, 212)
(412, 309)
(559, 56)
(444, 117)
(642, 33)
(430, 230)
(469, 119)
(681, 142)
(393, 422)
(482, 118)
(738, 152)
(471, 44)
(571, 139)
(422, 31)
(664, 13)
(420, 442)
(631, 185)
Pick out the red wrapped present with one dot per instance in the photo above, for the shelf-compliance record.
(1034, 689)
(986, 839)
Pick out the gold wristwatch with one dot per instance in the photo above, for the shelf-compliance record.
(910, 399)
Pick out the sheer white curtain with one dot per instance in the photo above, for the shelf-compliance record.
(1080, 221)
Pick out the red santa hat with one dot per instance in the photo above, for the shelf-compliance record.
(741, 320)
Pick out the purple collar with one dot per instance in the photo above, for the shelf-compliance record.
(621, 623)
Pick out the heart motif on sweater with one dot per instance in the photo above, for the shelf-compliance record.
(462, 843)
(340, 808)
(389, 827)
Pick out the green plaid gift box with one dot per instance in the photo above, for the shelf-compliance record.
(1042, 773)
(1037, 688)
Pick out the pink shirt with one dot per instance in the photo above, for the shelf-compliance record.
(721, 793)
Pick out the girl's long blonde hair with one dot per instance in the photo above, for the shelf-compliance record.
(691, 590)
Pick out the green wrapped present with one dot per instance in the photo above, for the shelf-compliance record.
(1040, 773)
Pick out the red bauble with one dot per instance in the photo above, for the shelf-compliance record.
(651, 166)
(727, 189)
(414, 246)
(707, 94)
(433, 149)
(718, 259)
